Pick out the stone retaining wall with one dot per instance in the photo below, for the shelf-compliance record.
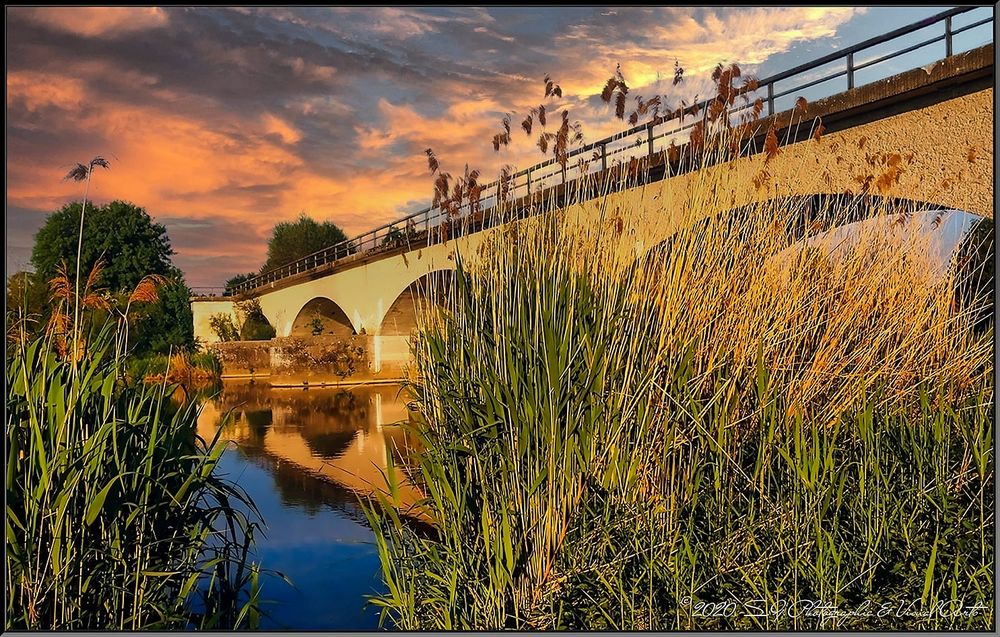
(317, 360)
(243, 358)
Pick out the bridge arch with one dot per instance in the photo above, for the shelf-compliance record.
(400, 319)
(811, 215)
(956, 238)
(321, 316)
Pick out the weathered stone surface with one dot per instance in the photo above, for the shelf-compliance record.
(243, 358)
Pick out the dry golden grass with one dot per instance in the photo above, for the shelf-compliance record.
(148, 289)
(588, 402)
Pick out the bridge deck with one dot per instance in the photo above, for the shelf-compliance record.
(947, 78)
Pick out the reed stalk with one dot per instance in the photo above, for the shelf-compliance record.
(758, 415)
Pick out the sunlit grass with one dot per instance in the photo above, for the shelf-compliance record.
(610, 435)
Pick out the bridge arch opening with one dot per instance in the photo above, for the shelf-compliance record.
(952, 241)
(322, 317)
(818, 217)
(430, 289)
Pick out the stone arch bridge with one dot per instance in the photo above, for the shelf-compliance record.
(934, 123)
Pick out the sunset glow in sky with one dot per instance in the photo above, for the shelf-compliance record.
(222, 122)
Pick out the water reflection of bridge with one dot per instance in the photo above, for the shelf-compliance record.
(322, 446)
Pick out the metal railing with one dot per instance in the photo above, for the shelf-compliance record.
(650, 138)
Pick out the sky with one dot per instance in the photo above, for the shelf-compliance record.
(221, 122)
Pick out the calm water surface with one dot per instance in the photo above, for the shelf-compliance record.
(305, 456)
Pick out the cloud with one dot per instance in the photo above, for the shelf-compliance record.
(35, 91)
(646, 43)
(226, 121)
(96, 21)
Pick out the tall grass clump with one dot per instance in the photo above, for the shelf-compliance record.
(758, 422)
(115, 516)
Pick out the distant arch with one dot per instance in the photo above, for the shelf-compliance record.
(401, 317)
(322, 317)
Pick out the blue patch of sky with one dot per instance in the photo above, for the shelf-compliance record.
(876, 21)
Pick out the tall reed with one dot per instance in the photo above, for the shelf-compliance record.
(116, 518)
(751, 421)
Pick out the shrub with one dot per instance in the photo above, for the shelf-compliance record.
(254, 330)
(224, 327)
(255, 325)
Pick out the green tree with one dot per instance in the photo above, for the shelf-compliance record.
(130, 245)
(168, 323)
(291, 240)
(239, 278)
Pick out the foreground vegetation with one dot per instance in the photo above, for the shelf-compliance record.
(753, 425)
(200, 368)
(115, 517)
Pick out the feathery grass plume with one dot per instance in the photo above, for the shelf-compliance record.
(678, 73)
(771, 147)
(818, 129)
(543, 142)
(63, 294)
(616, 88)
(148, 289)
(551, 88)
(777, 402)
(432, 162)
(82, 172)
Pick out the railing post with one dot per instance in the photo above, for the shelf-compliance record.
(604, 156)
(770, 98)
(947, 37)
(649, 139)
(528, 182)
(850, 70)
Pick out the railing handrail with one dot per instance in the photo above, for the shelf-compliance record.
(348, 245)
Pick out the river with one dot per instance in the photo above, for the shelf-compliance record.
(305, 457)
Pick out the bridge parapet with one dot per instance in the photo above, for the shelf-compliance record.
(653, 139)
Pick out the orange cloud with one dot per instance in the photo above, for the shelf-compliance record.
(224, 170)
(747, 35)
(97, 21)
(37, 90)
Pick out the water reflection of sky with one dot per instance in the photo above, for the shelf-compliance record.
(329, 557)
(303, 457)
